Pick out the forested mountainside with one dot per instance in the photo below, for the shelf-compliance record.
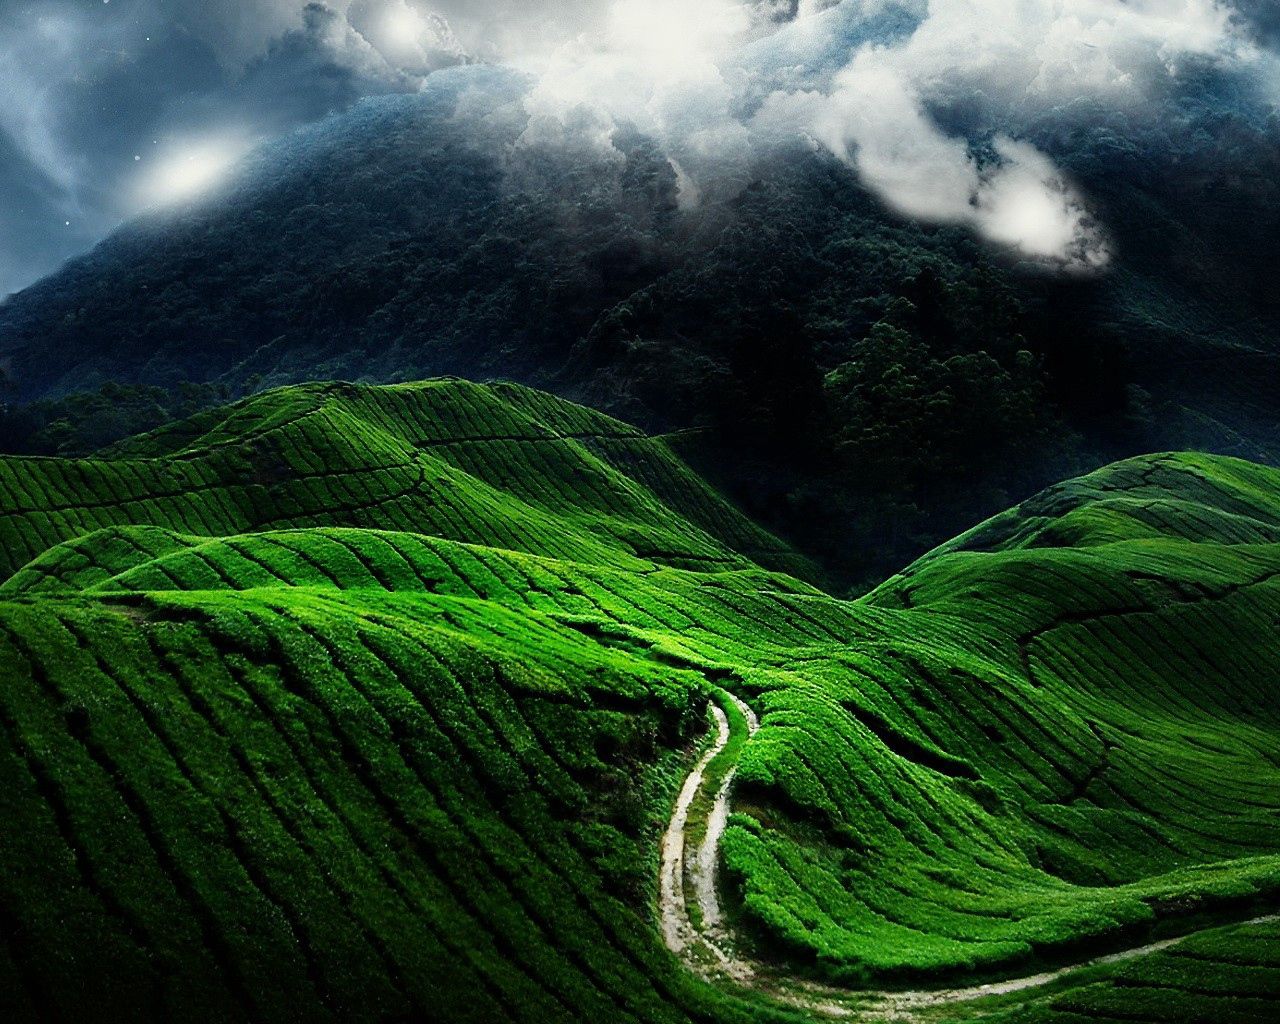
(371, 703)
(865, 384)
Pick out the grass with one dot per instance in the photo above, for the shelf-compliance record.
(369, 703)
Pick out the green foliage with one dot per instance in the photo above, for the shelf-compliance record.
(1228, 976)
(497, 465)
(369, 703)
(904, 417)
(80, 424)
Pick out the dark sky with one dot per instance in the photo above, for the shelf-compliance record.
(106, 102)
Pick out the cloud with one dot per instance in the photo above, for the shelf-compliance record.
(1012, 194)
(1010, 61)
(932, 102)
(656, 65)
(1026, 203)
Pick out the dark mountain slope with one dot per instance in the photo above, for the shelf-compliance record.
(378, 241)
(835, 357)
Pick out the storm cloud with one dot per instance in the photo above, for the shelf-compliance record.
(114, 104)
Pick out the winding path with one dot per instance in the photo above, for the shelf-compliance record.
(698, 870)
(707, 946)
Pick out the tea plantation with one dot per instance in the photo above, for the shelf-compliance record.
(371, 703)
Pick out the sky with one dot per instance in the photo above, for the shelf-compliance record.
(114, 106)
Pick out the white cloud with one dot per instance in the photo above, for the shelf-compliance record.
(873, 119)
(686, 74)
(1014, 58)
(188, 169)
(657, 65)
(881, 83)
(1026, 204)
(876, 122)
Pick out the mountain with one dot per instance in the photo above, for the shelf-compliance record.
(832, 356)
(382, 242)
(373, 703)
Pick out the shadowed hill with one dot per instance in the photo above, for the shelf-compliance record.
(1183, 496)
(370, 703)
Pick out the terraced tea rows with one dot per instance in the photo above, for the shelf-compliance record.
(497, 465)
(372, 703)
(1227, 974)
(694, 926)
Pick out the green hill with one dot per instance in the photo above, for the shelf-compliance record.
(372, 703)
(499, 465)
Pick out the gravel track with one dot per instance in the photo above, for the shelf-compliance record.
(708, 947)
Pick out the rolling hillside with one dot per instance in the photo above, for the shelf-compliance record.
(498, 465)
(373, 703)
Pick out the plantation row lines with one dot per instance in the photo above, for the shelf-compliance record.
(1138, 805)
(1224, 976)
(413, 789)
(1216, 494)
(399, 562)
(502, 500)
(461, 510)
(408, 753)
(410, 416)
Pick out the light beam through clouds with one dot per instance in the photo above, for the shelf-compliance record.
(190, 169)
